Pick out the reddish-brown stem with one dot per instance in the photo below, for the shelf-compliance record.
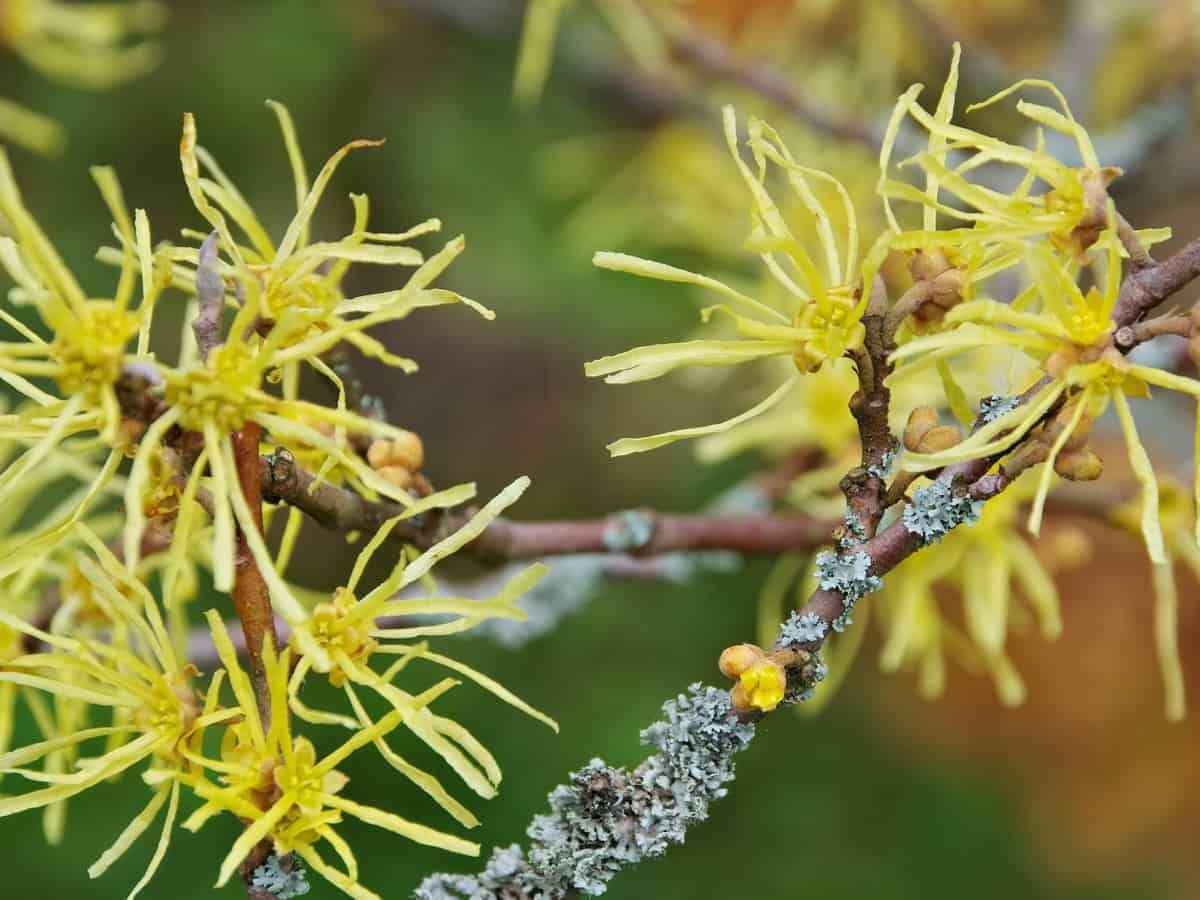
(1150, 286)
(250, 595)
(636, 532)
(645, 532)
(864, 485)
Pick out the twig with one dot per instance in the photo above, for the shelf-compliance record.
(606, 818)
(1139, 256)
(1130, 336)
(634, 532)
(1146, 288)
(864, 486)
(968, 482)
(907, 304)
(251, 598)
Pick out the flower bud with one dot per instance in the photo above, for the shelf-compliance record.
(948, 290)
(921, 421)
(406, 451)
(926, 265)
(737, 659)
(941, 438)
(947, 285)
(397, 475)
(1079, 465)
(739, 700)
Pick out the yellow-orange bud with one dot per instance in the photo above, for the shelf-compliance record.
(941, 438)
(737, 659)
(405, 451)
(927, 265)
(923, 433)
(397, 475)
(1079, 465)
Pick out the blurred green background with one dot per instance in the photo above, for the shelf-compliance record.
(872, 800)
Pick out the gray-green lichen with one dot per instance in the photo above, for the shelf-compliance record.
(284, 877)
(849, 573)
(605, 818)
(935, 510)
(628, 531)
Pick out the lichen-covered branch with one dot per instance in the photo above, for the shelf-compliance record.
(865, 486)
(606, 818)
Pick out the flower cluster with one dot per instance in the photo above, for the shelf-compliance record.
(122, 475)
(1026, 367)
(813, 313)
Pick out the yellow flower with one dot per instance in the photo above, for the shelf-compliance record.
(1071, 214)
(1071, 340)
(277, 785)
(35, 550)
(342, 637)
(301, 312)
(87, 45)
(85, 354)
(157, 714)
(217, 397)
(763, 684)
(295, 286)
(826, 301)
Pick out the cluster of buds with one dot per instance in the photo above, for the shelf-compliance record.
(924, 432)
(946, 285)
(761, 678)
(400, 460)
(1075, 460)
